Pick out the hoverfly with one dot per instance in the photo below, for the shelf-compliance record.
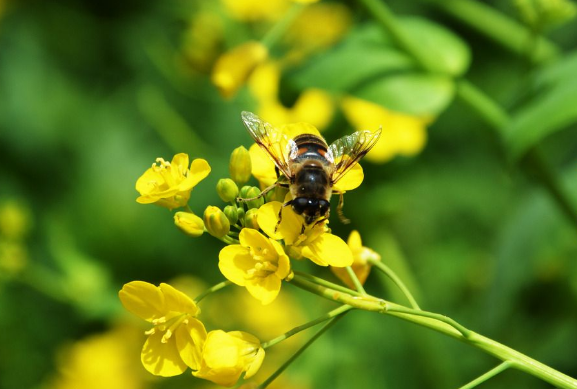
(310, 168)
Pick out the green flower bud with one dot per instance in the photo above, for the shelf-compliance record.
(216, 222)
(240, 212)
(257, 202)
(189, 223)
(250, 219)
(231, 213)
(243, 192)
(240, 165)
(227, 190)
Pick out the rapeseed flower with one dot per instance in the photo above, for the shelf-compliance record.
(169, 184)
(361, 266)
(315, 242)
(226, 355)
(257, 263)
(175, 341)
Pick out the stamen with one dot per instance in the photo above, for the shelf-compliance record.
(166, 336)
(160, 320)
(150, 331)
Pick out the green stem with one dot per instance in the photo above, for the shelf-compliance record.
(279, 29)
(355, 280)
(483, 105)
(332, 314)
(300, 351)
(498, 27)
(491, 373)
(496, 349)
(326, 283)
(212, 289)
(418, 312)
(396, 280)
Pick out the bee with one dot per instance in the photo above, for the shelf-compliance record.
(309, 166)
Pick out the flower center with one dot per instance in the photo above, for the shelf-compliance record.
(167, 326)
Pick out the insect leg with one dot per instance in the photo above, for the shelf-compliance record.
(241, 200)
(280, 214)
(340, 205)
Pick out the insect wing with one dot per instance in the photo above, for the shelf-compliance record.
(275, 143)
(348, 150)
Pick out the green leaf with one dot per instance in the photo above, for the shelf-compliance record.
(445, 49)
(551, 111)
(413, 93)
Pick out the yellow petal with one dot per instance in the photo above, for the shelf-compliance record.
(263, 168)
(176, 301)
(328, 249)
(199, 169)
(354, 241)
(161, 359)
(292, 130)
(256, 364)
(190, 338)
(314, 106)
(283, 261)
(290, 227)
(234, 262)
(264, 289)
(179, 162)
(143, 299)
(351, 180)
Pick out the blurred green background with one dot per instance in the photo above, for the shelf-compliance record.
(92, 92)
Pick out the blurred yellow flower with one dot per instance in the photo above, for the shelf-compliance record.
(360, 266)
(15, 219)
(226, 355)
(257, 263)
(402, 134)
(318, 27)
(100, 361)
(233, 68)
(313, 106)
(314, 243)
(256, 10)
(169, 184)
(202, 39)
(174, 342)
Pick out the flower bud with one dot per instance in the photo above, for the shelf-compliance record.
(231, 213)
(216, 222)
(240, 165)
(227, 190)
(189, 223)
(253, 192)
(240, 212)
(243, 192)
(250, 220)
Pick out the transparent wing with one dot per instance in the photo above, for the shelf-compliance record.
(348, 150)
(276, 144)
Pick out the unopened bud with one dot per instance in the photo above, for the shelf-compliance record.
(231, 213)
(216, 222)
(240, 165)
(240, 213)
(227, 190)
(250, 219)
(189, 223)
(254, 193)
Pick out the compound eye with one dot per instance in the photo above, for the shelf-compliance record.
(324, 206)
(299, 205)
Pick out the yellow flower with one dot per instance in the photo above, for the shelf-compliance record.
(263, 168)
(174, 342)
(360, 266)
(233, 68)
(189, 223)
(402, 134)
(257, 263)
(169, 184)
(256, 10)
(315, 243)
(226, 355)
(313, 106)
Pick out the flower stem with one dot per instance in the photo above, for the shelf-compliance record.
(326, 283)
(301, 350)
(445, 326)
(212, 289)
(279, 29)
(491, 373)
(396, 280)
(355, 280)
(332, 314)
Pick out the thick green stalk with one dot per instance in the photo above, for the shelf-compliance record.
(355, 280)
(515, 358)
